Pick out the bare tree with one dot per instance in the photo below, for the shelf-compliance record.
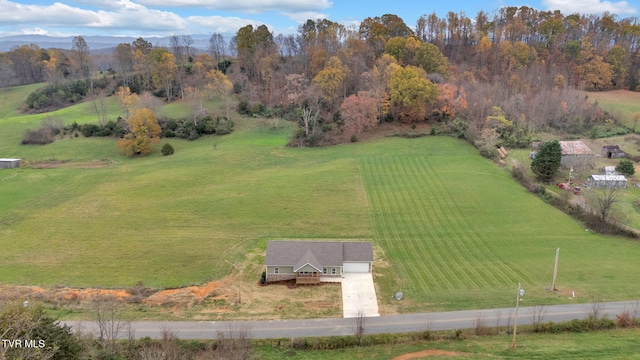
(98, 103)
(234, 344)
(537, 314)
(80, 53)
(309, 120)
(167, 349)
(359, 324)
(217, 47)
(177, 48)
(107, 312)
(603, 201)
(480, 324)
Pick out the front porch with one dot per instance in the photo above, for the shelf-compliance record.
(307, 278)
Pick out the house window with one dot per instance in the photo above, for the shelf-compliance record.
(276, 270)
(324, 271)
(333, 271)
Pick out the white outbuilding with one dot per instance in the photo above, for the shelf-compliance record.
(9, 163)
(606, 182)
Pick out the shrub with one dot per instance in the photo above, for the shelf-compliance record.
(41, 136)
(624, 320)
(89, 130)
(258, 109)
(167, 149)
(243, 107)
(354, 138)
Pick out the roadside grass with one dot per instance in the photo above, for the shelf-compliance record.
(621, 103)
(611, 344)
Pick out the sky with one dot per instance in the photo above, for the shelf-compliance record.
(148, 18)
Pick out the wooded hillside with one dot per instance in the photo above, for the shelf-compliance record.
(490, 79)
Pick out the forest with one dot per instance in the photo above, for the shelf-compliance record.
(491, 79)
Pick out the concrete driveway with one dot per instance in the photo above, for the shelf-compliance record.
(358, 294)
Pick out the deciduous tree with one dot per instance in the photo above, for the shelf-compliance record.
(331, 80)
(359, 113)
(410, 93)
(144, 132)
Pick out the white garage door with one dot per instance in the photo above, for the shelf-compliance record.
(353, 267)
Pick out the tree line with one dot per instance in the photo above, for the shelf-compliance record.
(489, 79)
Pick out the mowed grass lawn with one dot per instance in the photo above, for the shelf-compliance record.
(459, 232)
(455, 230)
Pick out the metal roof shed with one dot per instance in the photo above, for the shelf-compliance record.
(607, 181)
(9, 163)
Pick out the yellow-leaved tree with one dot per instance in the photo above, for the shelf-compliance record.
(144, 131)
(331, 80)
(410, 92)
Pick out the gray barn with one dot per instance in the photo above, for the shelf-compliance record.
(9, 163)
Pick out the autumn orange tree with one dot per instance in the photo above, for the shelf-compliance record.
(144, 131)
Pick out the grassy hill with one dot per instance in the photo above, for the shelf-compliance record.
(451, 229)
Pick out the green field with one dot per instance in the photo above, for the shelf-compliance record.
(452, 229)
(621, 103)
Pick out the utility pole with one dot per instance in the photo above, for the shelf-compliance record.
(515, 322)
(555, 270)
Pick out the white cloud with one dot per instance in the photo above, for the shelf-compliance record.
(218, 24)
(303, 16)
(126, 18)
(590, 6)
(246, 6)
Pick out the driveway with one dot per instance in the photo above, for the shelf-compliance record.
(358, 294)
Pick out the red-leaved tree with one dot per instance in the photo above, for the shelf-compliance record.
(359, 113)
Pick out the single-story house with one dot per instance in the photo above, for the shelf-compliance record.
(310, 262)
(575, 153)
(9, 163)
(606, 182)
(612, 151)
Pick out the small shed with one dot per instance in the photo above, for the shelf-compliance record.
(612, 151)
(606, 182)
(609, 170)
(9, 163)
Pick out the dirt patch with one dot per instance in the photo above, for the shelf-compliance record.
(61, 294)
(429, 353)
(55, 164)
(188, 296)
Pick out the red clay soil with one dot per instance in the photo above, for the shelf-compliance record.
(61, 293)
(428, 353)
(184, 296)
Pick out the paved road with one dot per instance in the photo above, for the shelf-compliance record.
(374, 325)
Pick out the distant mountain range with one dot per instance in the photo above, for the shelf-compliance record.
(96, 43)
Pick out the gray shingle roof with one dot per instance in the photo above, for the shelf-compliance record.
(308, 258)
(321, 253)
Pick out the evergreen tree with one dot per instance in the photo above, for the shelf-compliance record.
(625, 167)
(547, 161)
